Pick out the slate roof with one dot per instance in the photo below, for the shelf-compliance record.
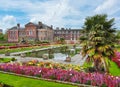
(38, 26)
(15, 27)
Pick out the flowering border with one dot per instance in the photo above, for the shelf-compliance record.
(50, 80)
(95, 79)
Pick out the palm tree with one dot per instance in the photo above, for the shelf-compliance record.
(98, 40)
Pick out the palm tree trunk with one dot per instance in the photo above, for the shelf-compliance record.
(105, 65)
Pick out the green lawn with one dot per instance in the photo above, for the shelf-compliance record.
(5, 60)
(7, 44)
(114, 69)
(118, 49)
(17, 81)
(3, 51)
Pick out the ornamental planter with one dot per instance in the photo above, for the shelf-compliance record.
(68, 59)
(22, 55)
(7, 54)
(45, 56)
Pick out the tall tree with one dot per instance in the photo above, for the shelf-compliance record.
(98, 40)
(3, 37)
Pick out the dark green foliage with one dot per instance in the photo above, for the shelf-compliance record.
(98, 40)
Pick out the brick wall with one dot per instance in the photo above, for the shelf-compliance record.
(31, 32)
(13, 35)
(45, 34)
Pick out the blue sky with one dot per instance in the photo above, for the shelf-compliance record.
(59, 13)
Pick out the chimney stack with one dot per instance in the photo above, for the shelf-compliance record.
(40, 23)
(57, 28)
(18, 25)
(51, 26)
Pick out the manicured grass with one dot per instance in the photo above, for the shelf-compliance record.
(5, 60)
(114, 69)
(118, 49)
(7, 44)
(86, 64)
(17, 49)
(3, 51)
(17, 81)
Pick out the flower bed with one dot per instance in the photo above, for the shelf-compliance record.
(53, 65)
(116, 59)
(95, 79)
(2, 47)
(12, 47)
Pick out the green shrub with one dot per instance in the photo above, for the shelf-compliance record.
(13, 59)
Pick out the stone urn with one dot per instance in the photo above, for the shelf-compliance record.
(7, 54)
(45, 56)
(22, 55)
(68, 59)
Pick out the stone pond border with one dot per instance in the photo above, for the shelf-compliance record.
(50, 80)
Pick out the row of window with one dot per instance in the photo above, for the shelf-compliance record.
(22, 33)
(12, 34)
(67, 32)
(13, 37)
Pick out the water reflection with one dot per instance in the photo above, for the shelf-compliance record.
(59, 56)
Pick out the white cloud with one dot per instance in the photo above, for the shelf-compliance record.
(108, 6)
(53, 12)
(7, 22)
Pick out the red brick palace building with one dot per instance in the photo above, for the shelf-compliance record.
(41, 32)
(70, 35)
(31, 32)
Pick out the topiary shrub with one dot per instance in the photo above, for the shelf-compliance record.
(13, 59)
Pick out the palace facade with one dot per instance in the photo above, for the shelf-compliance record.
(70, 35)
(41, 32)
(31, 32)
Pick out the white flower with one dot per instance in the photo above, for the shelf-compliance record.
(39, 70)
